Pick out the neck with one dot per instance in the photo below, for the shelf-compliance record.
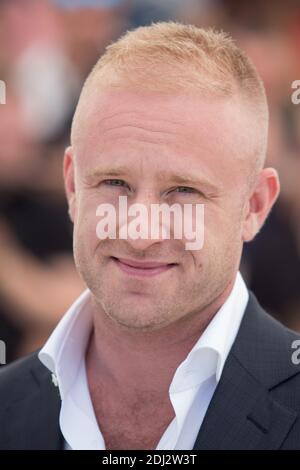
(148, 358)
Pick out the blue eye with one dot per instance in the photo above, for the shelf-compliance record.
(115, 182)
(185, 189)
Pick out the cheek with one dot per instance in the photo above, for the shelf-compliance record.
(222, 231)
(85, 235)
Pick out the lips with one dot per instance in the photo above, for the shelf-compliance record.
(140, 268)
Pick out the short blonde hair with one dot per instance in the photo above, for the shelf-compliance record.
(174, 57)
(193, 57)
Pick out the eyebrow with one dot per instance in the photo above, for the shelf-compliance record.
(95, 175)
(187, 179)
(183, 179)
(116, 171)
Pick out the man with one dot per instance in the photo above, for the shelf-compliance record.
(166, 349)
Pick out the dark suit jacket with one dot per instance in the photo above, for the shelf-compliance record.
(255, 406)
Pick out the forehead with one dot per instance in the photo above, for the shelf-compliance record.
(168, 129)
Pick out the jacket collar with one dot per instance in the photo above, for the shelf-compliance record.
(32, 421)
(243, 407)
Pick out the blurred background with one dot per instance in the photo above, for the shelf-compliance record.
(47, 48)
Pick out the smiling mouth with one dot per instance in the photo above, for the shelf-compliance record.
(142, 269)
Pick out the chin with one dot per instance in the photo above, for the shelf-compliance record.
(136, 311)
(142, 321)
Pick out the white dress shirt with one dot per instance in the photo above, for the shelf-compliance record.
(191, 389)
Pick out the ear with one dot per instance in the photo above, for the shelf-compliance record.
(263, 197)
(69, 179)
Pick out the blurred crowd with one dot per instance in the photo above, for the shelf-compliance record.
(47, 49)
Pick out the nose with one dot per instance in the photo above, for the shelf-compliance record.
(139, 225)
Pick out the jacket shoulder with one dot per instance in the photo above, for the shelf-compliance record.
(20, 377)
(265, 347)
(29, 407)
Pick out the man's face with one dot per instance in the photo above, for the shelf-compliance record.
(136, 145)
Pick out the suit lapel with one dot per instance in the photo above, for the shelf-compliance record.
(243, 413)
(34, 421)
